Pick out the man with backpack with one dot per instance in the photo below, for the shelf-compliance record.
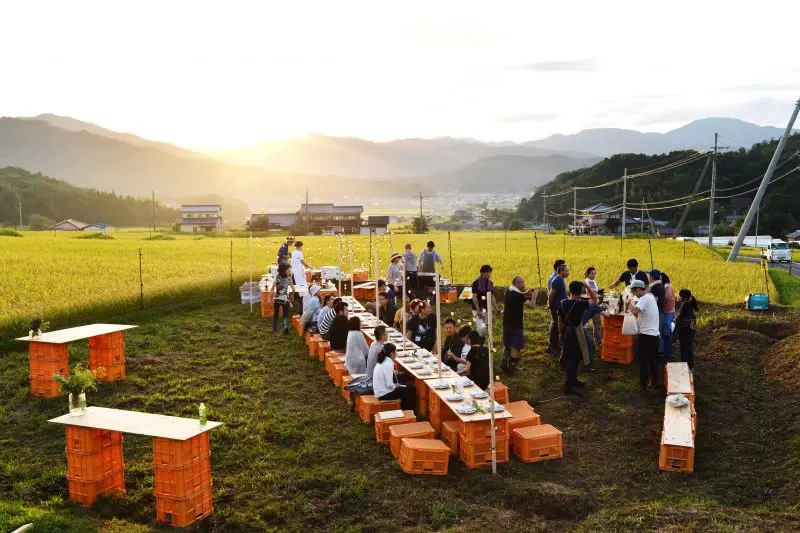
(426, 262)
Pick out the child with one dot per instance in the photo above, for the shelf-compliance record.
(280, 289)
(687, 326)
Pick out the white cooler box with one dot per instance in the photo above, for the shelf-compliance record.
(250, 293)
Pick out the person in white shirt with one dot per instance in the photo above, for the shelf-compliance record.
(299, 264)
(384, 380)
(591, 282)
(356, 351)
(646, 312)
(376, 348)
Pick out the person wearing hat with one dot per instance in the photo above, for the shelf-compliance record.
(394, 276)
(312, 306)
(646, 312)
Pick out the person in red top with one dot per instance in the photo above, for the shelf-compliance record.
(669, 316)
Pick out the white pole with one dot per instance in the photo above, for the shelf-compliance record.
(250, 286)
(403, 311)
(624, 199)
(491, 380)
(352, 273)
(438, 327)
(377, 270)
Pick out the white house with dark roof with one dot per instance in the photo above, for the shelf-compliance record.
(196, 218)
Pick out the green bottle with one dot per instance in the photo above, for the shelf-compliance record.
(203, 417)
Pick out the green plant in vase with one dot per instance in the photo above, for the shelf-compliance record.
(80, 380)
(38, 325)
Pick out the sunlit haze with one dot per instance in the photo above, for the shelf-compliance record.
(230, 74)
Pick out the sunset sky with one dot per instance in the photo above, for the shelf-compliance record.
(228, 74)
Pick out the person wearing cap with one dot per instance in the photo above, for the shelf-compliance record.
(646, 312)
(631, 274)
(312, 306)
(394, 276)
(283, 251)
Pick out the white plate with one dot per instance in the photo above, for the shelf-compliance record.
(467, 383)
(416, 366)
(408, 360)
(479, 395)
(466, 410)
(454, 398)
(424, 373)
(441, 386)
(499, 407)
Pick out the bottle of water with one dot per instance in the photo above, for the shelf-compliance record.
(203, 416)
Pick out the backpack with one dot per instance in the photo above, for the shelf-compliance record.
(358, 386)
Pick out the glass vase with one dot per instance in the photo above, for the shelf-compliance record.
(77, 404)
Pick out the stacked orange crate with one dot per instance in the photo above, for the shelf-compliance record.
(438, 412)
(107, 355)
(422, 396)
(183, 479)
(94, 463)
(476, 442)
(267, 308)
(45, 360)
(617, 348)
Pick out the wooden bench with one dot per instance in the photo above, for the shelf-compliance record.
(679, 380)
(677, 442)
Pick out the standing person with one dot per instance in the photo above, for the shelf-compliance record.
(591, 282)
(570, 328)
(384, 380)
(356, 349)
(687, 326)
(592, 312)
(394, 276)
(299, 265)
(410, 266)
(284, 253)
(482, 298)
(633, 273)
(387, 309)
(646, 313)
(656, 288)
(326, 317)
(517, 299)
(558, 292)
(386, 289)
(426, 262)
(668, 317)
(477, 367)
(451, 346)
(421, 328)
(381, 336)
(281, 288)
(339, 328)
(554, 275)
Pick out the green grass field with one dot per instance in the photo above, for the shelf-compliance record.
(66, 278)
(292, 457)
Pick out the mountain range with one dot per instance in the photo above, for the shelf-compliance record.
(89, 155)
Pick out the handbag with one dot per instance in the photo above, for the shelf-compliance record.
(630, 327)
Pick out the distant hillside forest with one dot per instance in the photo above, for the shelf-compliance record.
(737, 172)
(46, 201)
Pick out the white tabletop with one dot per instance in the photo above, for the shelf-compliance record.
(136, 423)
(679, 379)
(429, 364)
(466, 401)
(678, 426)
(62, 336)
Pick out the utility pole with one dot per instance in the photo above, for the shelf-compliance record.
(641, 217)
(691, 199)
(544, 202)
(420, 213)
(713, 186)
(19, 201)
(650, 219)
(763, 187)
(307, 219)
(154, 210)
(624, 199)
(575, 210)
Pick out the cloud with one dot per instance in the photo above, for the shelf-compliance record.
(759, 87)
(531, 117)
(571, 65)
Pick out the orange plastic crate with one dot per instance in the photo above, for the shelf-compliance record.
(360, 274)
(367, 405)
(414, 430)
(314, 344)
(522, 415)
(424, 456)
(47, 353)
(382, 426)
(537, 443)
(45, 387)
(422, 396)
(450, 435)
(616, 353)
(85, 493)
(178, 482)
(500, 393)
(108, 340)
(482, 429)
(345, 392)
(96, 465)
(323, 348)
(178, 453)
(339, 370)
(87, 440)
(181, 512)
(477, 453)
(676, 458)
(307, 336)
(267, 308)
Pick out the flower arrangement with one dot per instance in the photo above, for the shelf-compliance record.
(37, 327)
(80, 380)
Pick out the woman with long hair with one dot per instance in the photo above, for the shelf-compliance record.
(356, 351)
(384, 380)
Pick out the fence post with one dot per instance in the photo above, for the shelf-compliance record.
(231, 288)
(141, 282)
(650, 244)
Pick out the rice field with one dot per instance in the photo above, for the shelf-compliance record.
(66, 278)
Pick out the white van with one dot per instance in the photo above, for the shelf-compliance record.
(778, 251)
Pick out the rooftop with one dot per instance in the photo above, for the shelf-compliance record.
(201, 208)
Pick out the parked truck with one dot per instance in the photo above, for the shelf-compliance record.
(777, 250)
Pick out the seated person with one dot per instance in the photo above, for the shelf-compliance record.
(387, 309)
(383, 288)
(325, 320)
(412, 308)
(477, 367)
(459, 359)
(421, 329)
(381, 337)
(311, 306)
(384, 380)
(355, 358)
(452, 344)
(327, 306)
(339, 328)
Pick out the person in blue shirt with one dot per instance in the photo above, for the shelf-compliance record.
(283, 251)
(558, 292)
(589, 314)
(554, 275)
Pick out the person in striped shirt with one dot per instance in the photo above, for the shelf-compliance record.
(326, 319)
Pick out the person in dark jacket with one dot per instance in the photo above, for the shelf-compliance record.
(687, 326)
(421, 329)
(477, 367)
(451, 347)
(339, 328)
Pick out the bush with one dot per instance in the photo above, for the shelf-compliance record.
(5, 232)
(98, 236)
(38, 222)
(161, 238)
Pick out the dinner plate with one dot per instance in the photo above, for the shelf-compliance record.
(454, 398)
(441, 386)
(466, 410)
(416, 366)
(424, 373)
(479, 395)
(499, 407)
(408, 360)
(467, 383)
